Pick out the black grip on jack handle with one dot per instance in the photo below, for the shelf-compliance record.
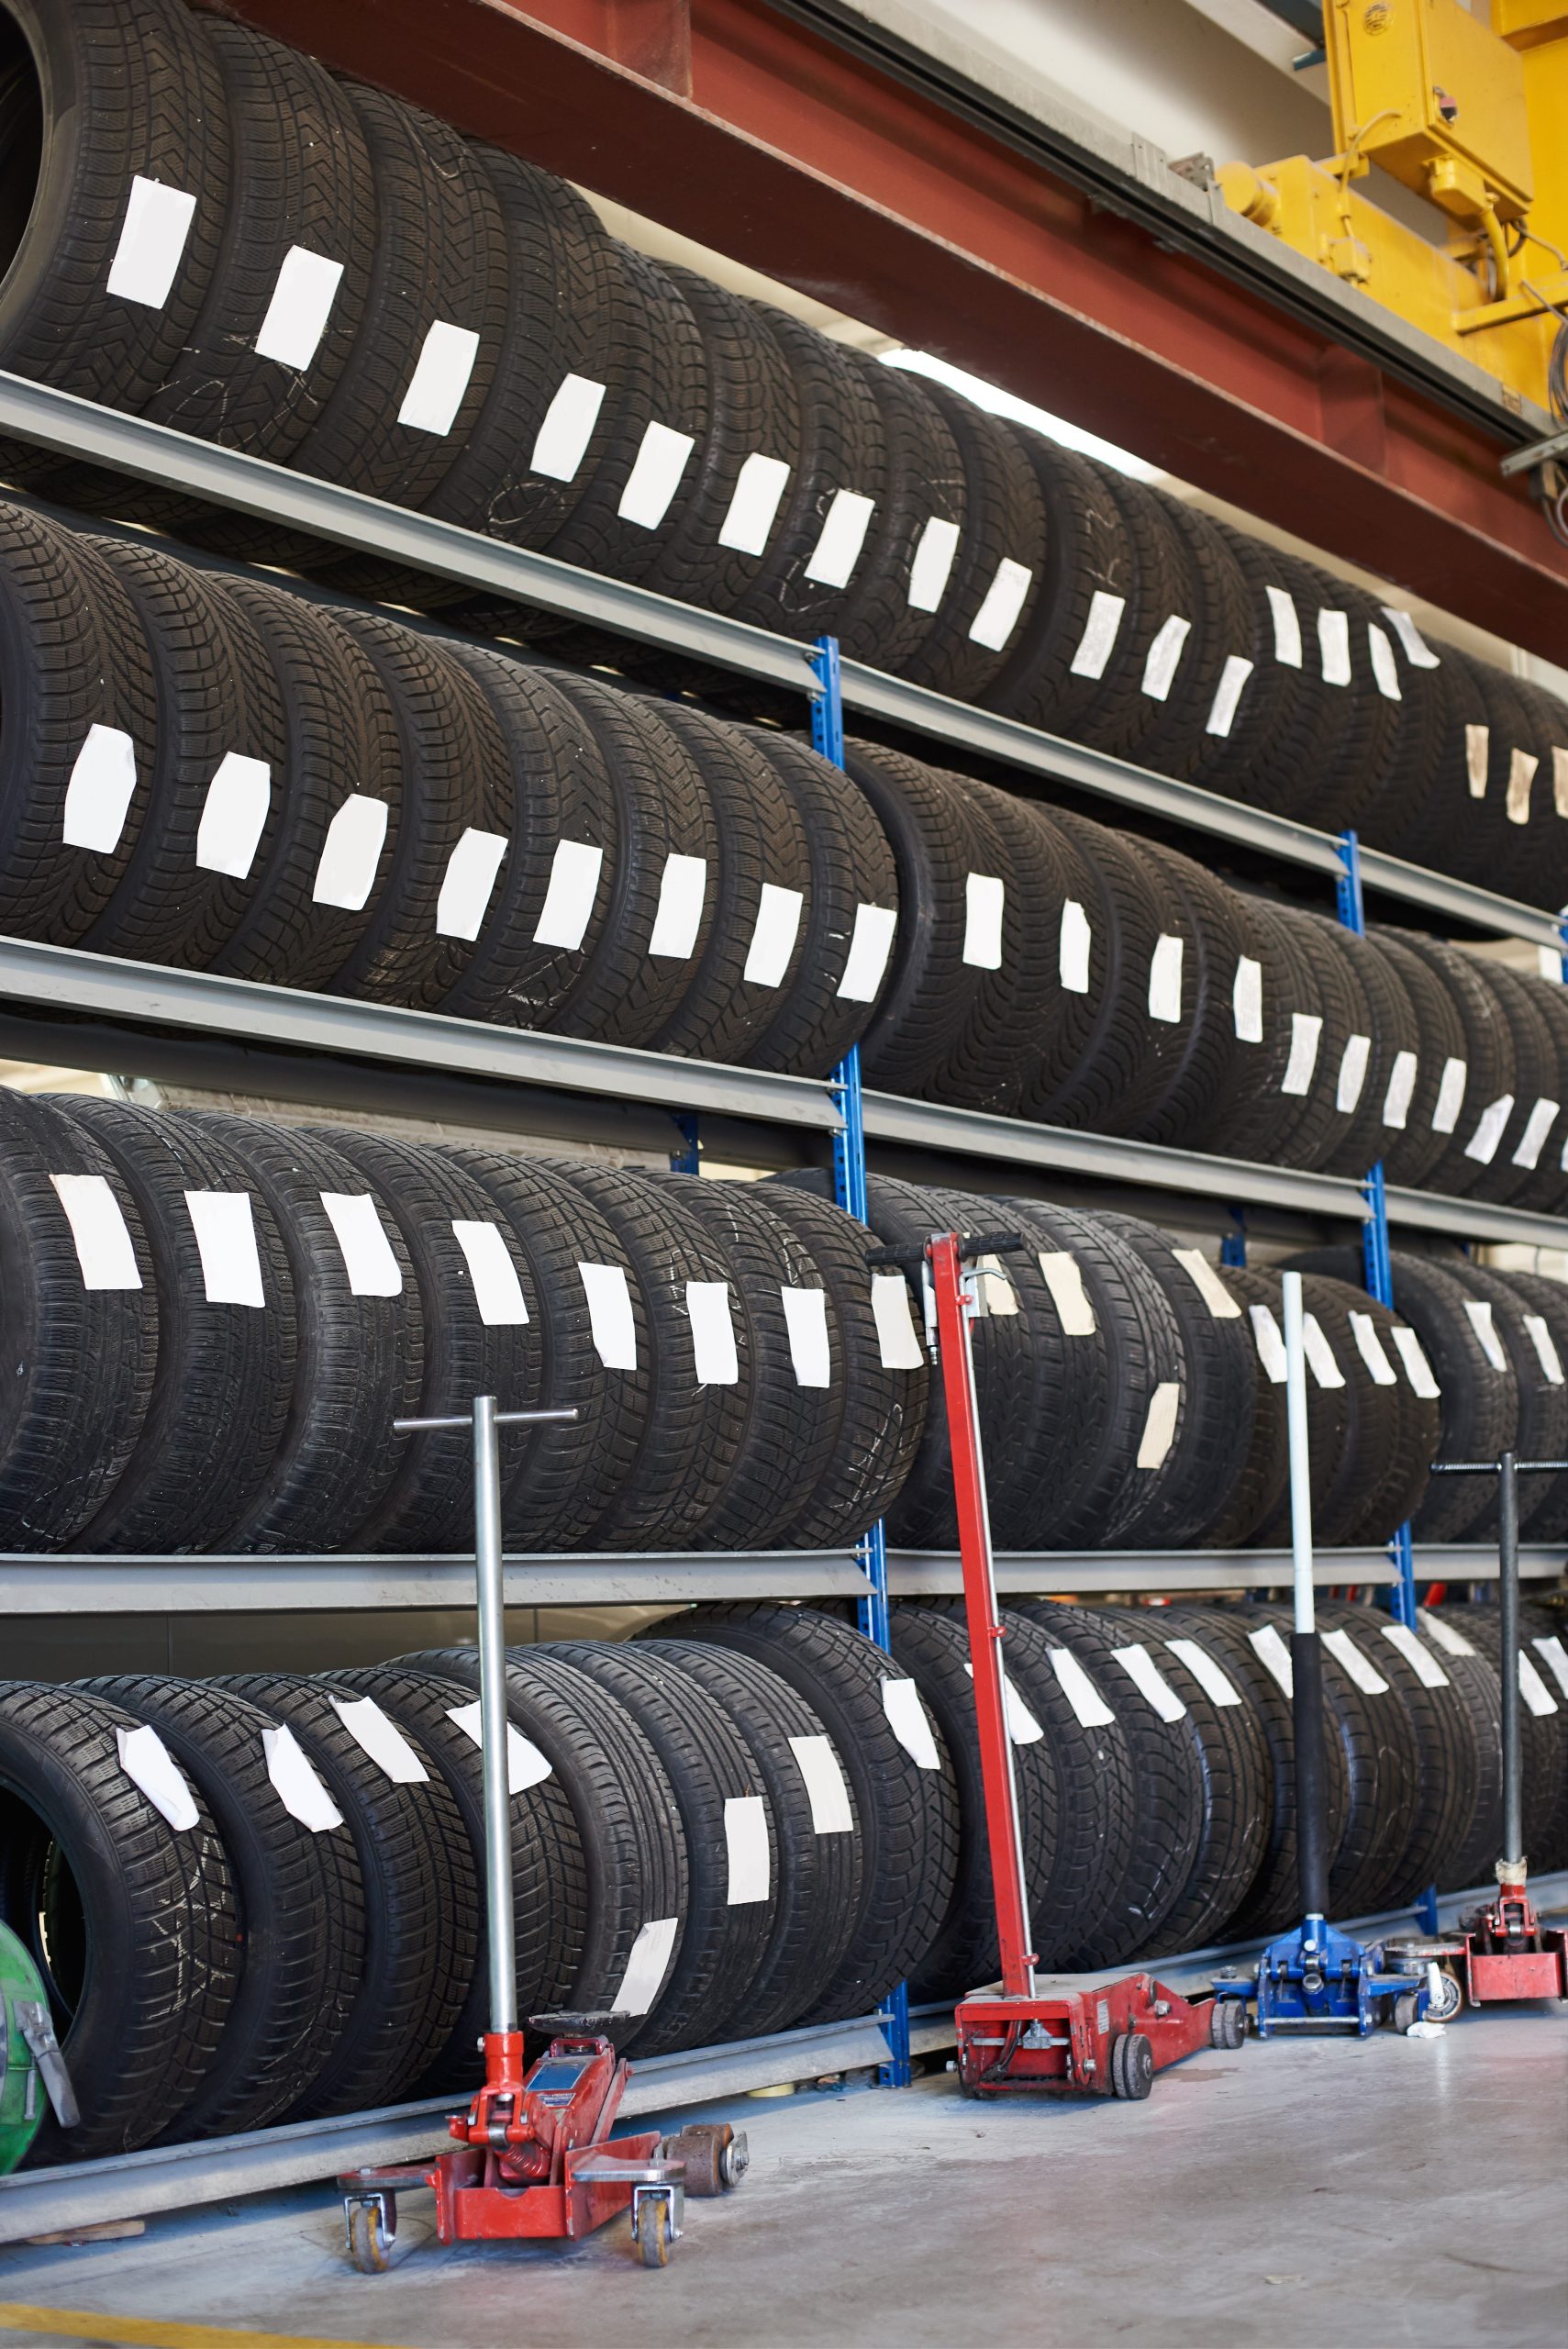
(1311, 1772)
(996, 1243)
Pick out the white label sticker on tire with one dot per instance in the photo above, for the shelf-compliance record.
(497, 1291)
(468, 883)
(1416, 1654)
(1385, 668)
(1417, 1369)
(1533, 1689)
(998, 615)
(1288, 627)
(646, 1967)
(1321, 1359)
(1022, 1726)
(1437, 1628)
(1089, 1707)
(1306, 1027)
(568, 905)
(683, 893)
(525, 1766)
(1521, 774)
(148, 1763)
(1352, 1074)
(1346, 1653)
(774, 935)
(105, 1250)
(1160, 1427)
(1227, 694)
(870, 943)
(1450, 1095)
(1073, 947)
(1556, 1659)
(805, 1317)
(1273, 1656)
(350, 853)
(655, 476)
(1150, 1681)
(748, 1861)
(1418, 653)
(367, 1259)
(983, 898)
(837, 548)
(1538, 1125)
(234, 815)
(1334, 647)
(1401, 1087)
(1483, 1143)
(1205, 1671)
(897, 1345)
(610, 1316)
(827, 1788)
(303, 295)
(1164, 657)
(1222, 1305)
(1477, 759)
(1541, 1338)
(1247, 1001)
(98, 796)
(933, 563)
(1560, 784)
(754, 505)
(1270, 1343)
(1478, 1313)
(440, 379)
(1098, 639)
(713, 1333)
(1062, 1278)
(1369, 1345)
(562, 442)
(908, 1719)
(296, 1782)
(1165, 977)
(224, 1223)
(379, 1736)
(151, 243)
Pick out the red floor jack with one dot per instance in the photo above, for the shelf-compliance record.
(1502, 1949)
(533, 2158)
(1064, 2039)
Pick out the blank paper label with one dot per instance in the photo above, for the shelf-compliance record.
(497, 1291)
(148, 1763)
(151, 243)
(655, 476)
(1306, 1027)
(1345, 1652)
(774, 935)
(1478, 1313)
(1521, 774)
(826, 1788)
(1538, 1125)
(468, 883)
(440, 379)
(1288, 627)
(870, 943)
(225, 1228)
(753, 508)
(1560, 780)
(104, 1246)
(1418, 653)
(1416, 1654)
(1483, 1143)
(998, 615)
(1022, 1726)
(1098, 640)
(381, 1738)
(1352, 1073)
(1541, 1338)
(1150, 1681)
(1273, 1654)
(1385, 668)
(933, 563)
(525, 1766)
(1401, 1086)
(1160, 1427)
(713, 1332)
(1227, 694)
(569, 900)
(1320, 1359)
(1533, 1689)
(1437, 1627)
(805, 1317)
(1073, 947)
(611, 1315)
(302, 303)
(373, 1269)
(899, 1348)
(1417, 1369)
(1334, 647)
(234, 815)
(1556, 1657)
(562, 442)
(749, 1867)
(837, 548)
(1477, 759)
(1065, 1282)
(1165, 978)
(1247, 1000)
(1165, 653)
(350, 853)
(681, 894)
(1205, 1671)
(984, 897)
(1369, 1345)
(1090, 1709)
(1450, 1095)
(906, 1719)
(296, 1783)
(1269, 1339)
(646, 1967)
(1222, 1305)
(98, 796)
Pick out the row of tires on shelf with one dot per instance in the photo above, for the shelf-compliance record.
(220, 237)
(221, 773)
(219, 1321)
(260, 1897)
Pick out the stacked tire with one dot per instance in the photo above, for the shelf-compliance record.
(208, 230)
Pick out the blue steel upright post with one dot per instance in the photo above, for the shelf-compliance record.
(850, 1190)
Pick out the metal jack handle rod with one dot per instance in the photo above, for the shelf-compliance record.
(1306, 1655)
(491, 1603)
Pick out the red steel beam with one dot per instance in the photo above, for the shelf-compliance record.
(733, 124)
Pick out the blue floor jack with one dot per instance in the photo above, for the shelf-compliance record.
(1317, 1979)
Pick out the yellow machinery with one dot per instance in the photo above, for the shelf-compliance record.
(1474, 117)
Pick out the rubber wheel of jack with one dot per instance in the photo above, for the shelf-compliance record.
(654, 2240)
(1131, 2066)
(1228, 2023)
(369, 2246)
(1406, 2010)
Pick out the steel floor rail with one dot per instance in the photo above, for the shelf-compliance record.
(130, 444)
(186, 2178)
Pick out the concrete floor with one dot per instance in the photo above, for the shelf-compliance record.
(1353, 2194)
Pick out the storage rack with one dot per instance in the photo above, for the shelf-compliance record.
(61, 1005)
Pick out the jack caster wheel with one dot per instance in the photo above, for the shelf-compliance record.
(1132, 2067)
(716, 2158)
(654, 2239)
(1406, 2010)
(370, 2243)
(1228, 2022)
(1446, 2001)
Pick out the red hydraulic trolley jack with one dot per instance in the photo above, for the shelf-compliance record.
(1062, 2037)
